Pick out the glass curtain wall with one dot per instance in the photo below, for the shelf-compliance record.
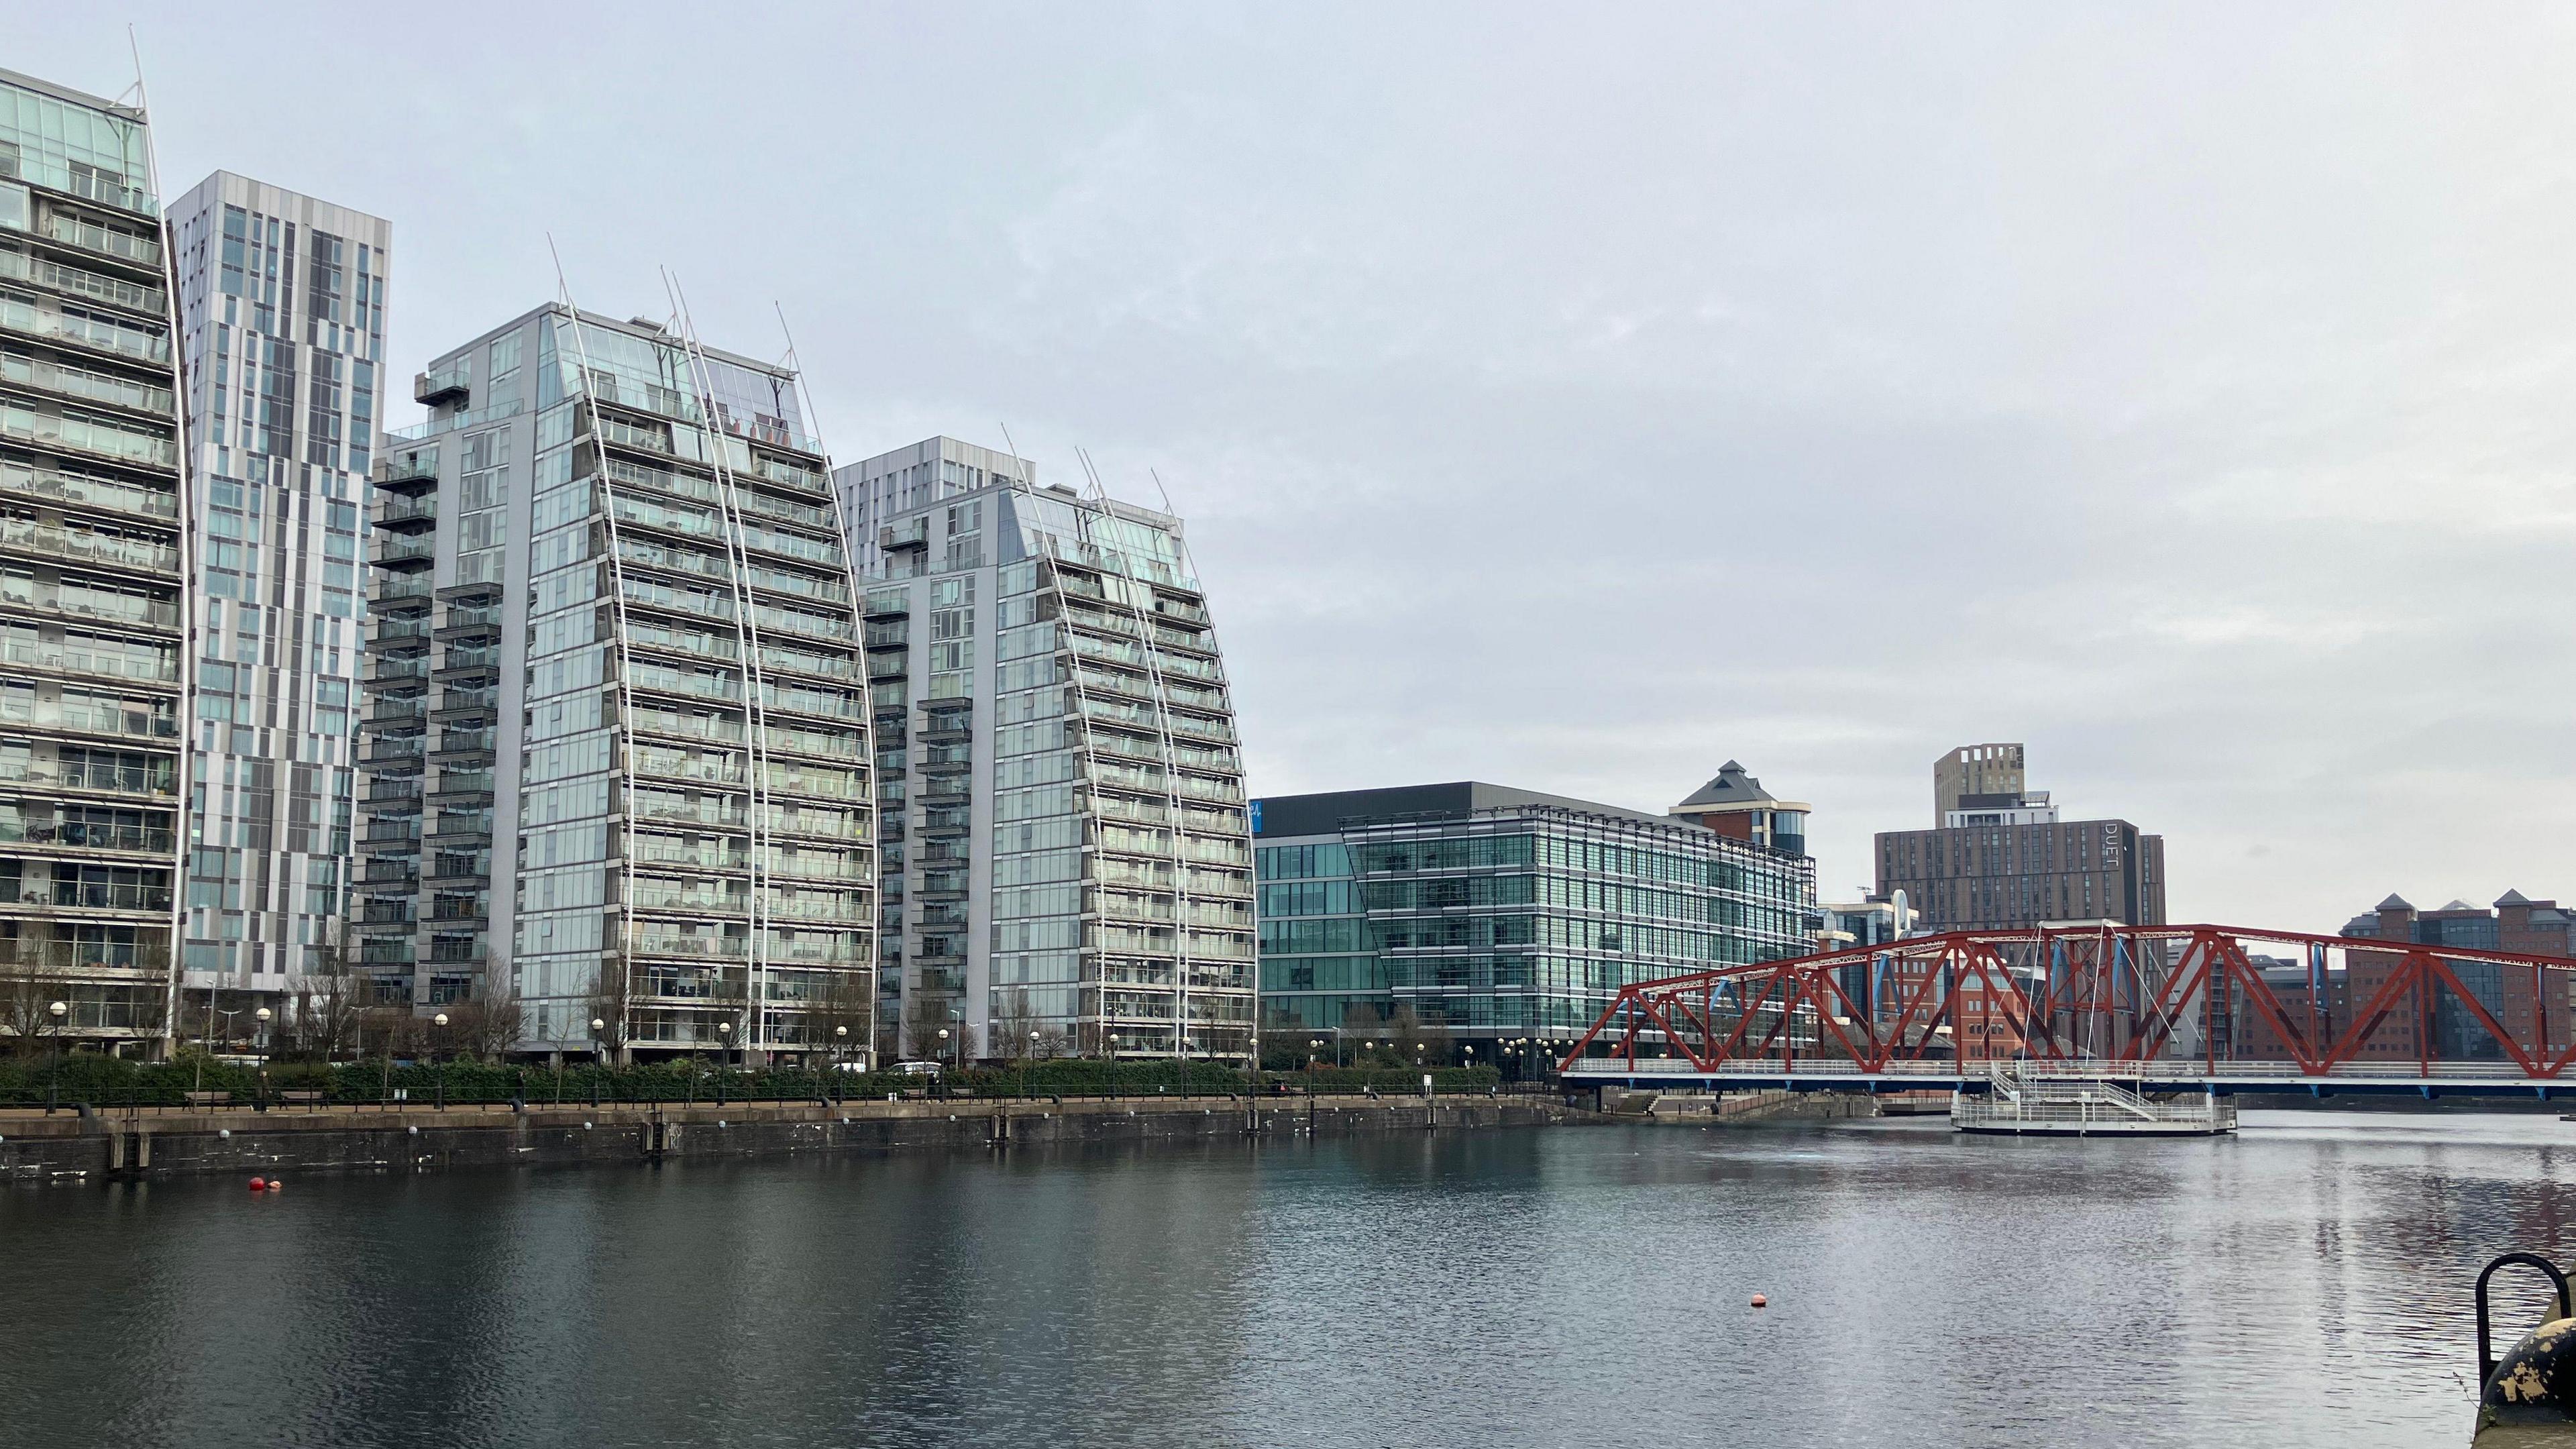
(1116, 730)
(92, 617)
(697, 846)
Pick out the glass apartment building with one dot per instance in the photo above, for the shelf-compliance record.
(617, 734)
(93, 554)
(282, 301)
(1495, 913)
(1067, 864)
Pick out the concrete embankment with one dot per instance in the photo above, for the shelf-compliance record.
(67, 1147)
(1733, 1108)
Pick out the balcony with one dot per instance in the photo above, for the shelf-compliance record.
(407, 469)
(95, 334)
(107, 241)
(81, 545)
(462, 823)
(456, 786)
(88, 835)
(82, 386)
(390, 669)
(392, 750)
(384, 630)
(94, 286)
(98, 493)
(895, 537)
(405, 550)
(454, 744)
(399, 511)
(448, 384)
(402, 591)
(463, 619)
(453, 702)
(469, 659)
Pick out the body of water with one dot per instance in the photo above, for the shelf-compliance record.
(2306, 1283)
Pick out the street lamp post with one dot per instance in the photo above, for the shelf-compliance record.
(943, 1059)
(259, 1043)
(598, 1055)
(1312, 1047)
(54, 1079)
(840, 1036)
(724, 1058)
(1024, 1063)
(438, 1054)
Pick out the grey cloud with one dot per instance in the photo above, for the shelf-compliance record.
(1579, 398)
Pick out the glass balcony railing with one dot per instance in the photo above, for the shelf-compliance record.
(107, 241)
(409, 465)
(85, 435)
(144, 839)
(644, 674)
(81, 385)
(669, 810)
(452, 381)
(397, 549)
(694, 726)
(673, 765)
(111, 659)
(86, 546)
(419, 432)
(46, 272)
(670, 943)
(787, 510)
(18, 478)
(399, 511)
(703, 646)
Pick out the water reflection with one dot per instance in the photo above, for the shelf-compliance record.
(2304, 1284)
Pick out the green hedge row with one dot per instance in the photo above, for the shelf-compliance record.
(113, 1081)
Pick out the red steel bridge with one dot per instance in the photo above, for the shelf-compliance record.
(2179, 1008)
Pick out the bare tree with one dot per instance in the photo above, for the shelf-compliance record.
(322, 1014)
(28, 990)
(1018, 1026)
(611, 1004)
(489, 1025)
(921, 1037)
(841, 1003)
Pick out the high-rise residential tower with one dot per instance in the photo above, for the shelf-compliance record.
(1067, 863)
(2000, 859)
(282, 304)
(617, 724)
(93, 613)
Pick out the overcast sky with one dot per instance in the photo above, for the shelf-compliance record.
(1577, 397)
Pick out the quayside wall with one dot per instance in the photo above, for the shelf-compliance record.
(70, 1147)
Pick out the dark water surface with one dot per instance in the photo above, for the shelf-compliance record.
(2304, 1284)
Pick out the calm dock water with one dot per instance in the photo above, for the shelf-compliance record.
(2305, 1283)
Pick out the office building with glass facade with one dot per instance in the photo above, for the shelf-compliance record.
(282, 304)
(617, 727)
(1066, 865)
(93, 554)
(1499, 914)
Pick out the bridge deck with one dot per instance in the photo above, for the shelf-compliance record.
(2446, 1079)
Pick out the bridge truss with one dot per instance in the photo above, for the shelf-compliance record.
(2128, 998)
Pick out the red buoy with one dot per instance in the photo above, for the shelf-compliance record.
(1760, 1301)
(258, 1183)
